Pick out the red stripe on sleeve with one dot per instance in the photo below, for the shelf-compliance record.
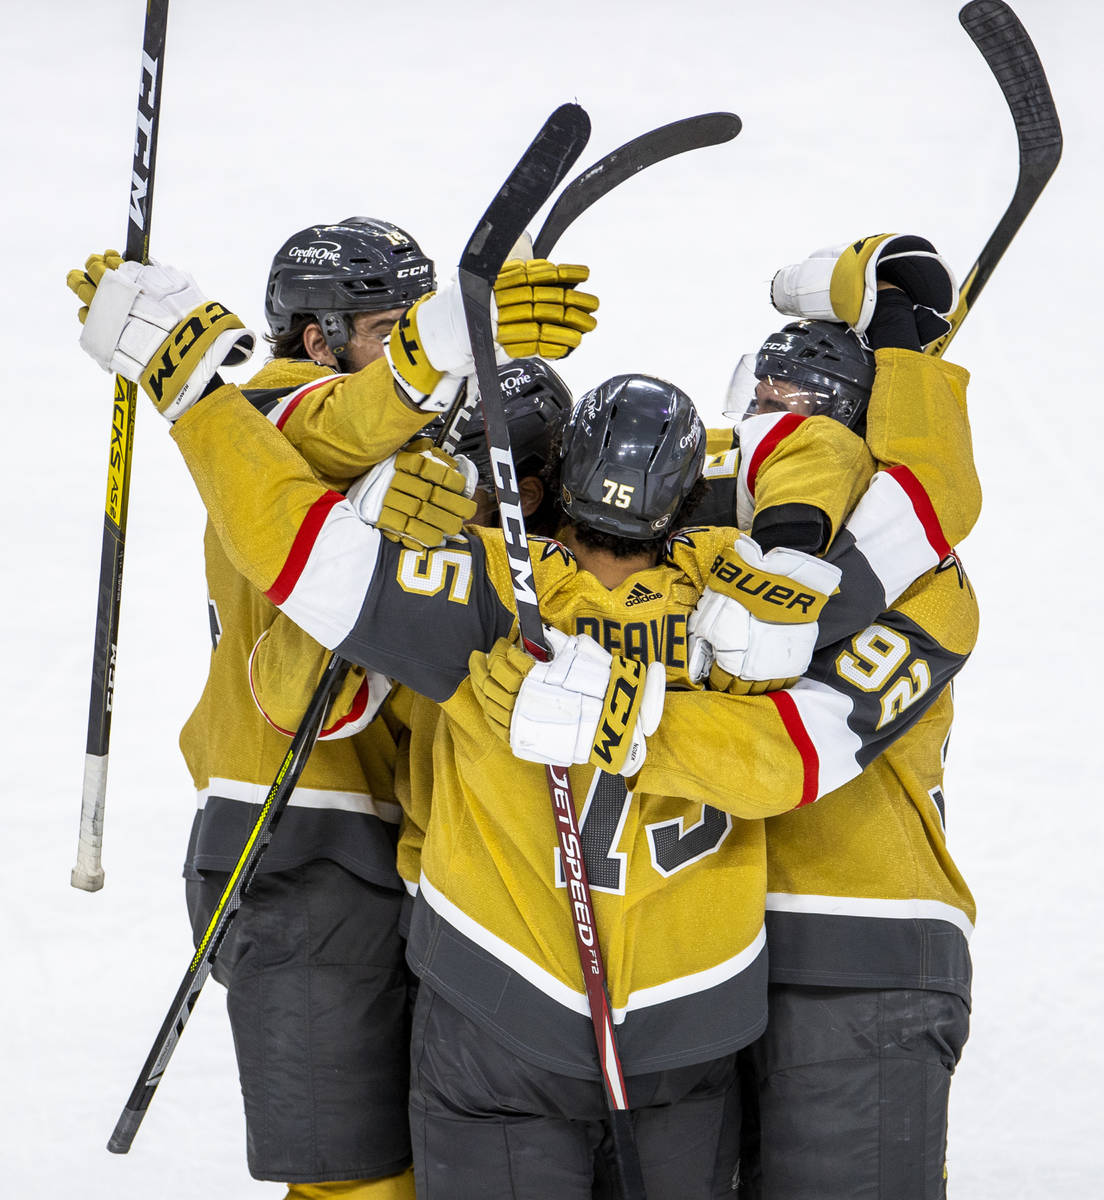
(294, 402)
(924, 510)
(799, 735)
(302, 546)
(360, 704)
(782, 429)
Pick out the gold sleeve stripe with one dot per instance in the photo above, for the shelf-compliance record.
(302, 546)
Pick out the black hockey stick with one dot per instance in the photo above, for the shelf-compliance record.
(691, 133)
(480, 263)
(227, 907)
(1006, 47)
(88, 872)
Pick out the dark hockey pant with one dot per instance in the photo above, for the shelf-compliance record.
(486, 1124)
(845, 1095)
(318, 1004)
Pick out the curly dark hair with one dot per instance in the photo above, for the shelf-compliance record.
(290, 343)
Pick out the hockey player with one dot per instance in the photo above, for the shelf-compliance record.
(492, 972)
(313, 963)
(285, 667)
(869, 961)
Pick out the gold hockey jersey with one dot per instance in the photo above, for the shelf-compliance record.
(862, 889)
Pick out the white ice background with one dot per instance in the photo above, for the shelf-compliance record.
(859, 117)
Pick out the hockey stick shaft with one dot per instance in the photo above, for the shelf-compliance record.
(227, 907)
(691, 133)
(476, 275)
(1008, 50)
(88, 873)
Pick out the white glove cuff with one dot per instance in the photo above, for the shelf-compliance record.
(804, 289)
(367, 493)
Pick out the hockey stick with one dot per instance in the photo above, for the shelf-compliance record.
(88, 872)
(227, 907)
(691, 133)
(1007, 49)
(480, 263)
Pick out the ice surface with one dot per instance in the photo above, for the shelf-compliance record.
(858, 118)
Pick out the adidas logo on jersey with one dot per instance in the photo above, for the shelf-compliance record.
(641, 595)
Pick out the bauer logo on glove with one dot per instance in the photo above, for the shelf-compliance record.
(757, 621)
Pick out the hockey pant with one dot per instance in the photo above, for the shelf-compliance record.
(845, 1095)
(318, 1002)
(485, 1123)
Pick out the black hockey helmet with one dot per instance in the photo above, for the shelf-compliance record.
(632, 450)
(825, 359)
(358, 265)
(537, 402)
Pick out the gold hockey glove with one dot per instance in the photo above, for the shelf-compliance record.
(538, 311)
(420, 496)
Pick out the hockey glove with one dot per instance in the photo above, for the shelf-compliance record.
(152, 325)
(419, 496)
(756, 622)
(582, 706)
(840, 283)
(536, 311)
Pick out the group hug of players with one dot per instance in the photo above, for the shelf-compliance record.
(755, 632)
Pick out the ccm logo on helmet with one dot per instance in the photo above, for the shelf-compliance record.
(408, 272)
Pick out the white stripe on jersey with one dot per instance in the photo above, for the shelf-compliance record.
(752, 431)
(276, 413)
(858, 906)
(255, 793)
(329, 593)
(891, 536)
(576, 1001)
(701, 981)
(824, 712)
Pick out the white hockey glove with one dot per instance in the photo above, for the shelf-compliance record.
(419, 496)
(152, 325)
(582, 706)
(840, 283)
(757, 621)
(535, 309)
